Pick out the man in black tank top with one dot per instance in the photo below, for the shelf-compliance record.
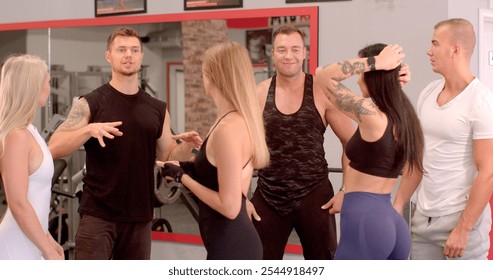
(123, 130)
(292, 189)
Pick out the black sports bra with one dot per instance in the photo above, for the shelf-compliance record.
(378, 158)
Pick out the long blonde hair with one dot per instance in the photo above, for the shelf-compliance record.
(229, 68)
(21, 81)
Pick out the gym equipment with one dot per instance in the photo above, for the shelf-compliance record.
(52, 125)
(63, 215)
(160, 224)
(59, 219)
(165, 192)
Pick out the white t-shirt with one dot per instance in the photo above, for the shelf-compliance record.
(449, 131)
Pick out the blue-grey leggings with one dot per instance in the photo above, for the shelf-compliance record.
(371, 229)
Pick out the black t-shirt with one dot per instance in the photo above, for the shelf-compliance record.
(119, 185)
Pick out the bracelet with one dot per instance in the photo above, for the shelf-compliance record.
(342, 189)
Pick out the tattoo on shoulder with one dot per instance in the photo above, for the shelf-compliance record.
(76, 115)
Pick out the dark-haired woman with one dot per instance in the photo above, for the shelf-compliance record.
(387, 143)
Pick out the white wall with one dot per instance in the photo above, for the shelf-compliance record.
(468, 9)
(485, 50)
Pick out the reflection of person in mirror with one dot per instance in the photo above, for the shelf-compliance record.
(123, 130)
(26, 164)
(292, 189)
(256, 46)
(221, 174)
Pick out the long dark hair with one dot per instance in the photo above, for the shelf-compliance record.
(386, 92)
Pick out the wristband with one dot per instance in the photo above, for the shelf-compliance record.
(371, 63)
(178, 175)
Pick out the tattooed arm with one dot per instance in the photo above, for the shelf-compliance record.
(356, 107)
(76, 130)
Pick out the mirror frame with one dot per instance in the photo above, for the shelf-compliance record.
(311, 11)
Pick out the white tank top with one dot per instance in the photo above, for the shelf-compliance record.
(14, 244)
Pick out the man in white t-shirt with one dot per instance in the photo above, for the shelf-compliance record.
(452, 218)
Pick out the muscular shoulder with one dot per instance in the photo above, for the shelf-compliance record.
(323, 104)
(78, 116)
(264, 85)
(263, 90)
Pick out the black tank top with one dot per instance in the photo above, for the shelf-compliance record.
(205, 172)
(296, 146)
(224, 238)
(119, 185)
(378, 158)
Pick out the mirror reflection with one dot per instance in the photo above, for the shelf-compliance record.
(170, 72)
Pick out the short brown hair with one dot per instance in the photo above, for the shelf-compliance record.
(287, 29)
(122, 31)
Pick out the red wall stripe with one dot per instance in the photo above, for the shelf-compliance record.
(248, 22)
(197, 240)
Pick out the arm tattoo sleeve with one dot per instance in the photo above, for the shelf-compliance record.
(349, 103)
(75, 116)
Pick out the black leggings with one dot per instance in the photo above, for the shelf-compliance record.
(226, 239)
(315, 227)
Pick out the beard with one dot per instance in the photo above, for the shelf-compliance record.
(289, 72)
(128, 72)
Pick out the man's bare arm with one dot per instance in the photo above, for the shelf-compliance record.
(76, 130)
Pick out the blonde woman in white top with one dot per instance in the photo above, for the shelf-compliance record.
(26, 165)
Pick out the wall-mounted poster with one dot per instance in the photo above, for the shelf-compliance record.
(257, 41)
(119, 7)
(212, 4)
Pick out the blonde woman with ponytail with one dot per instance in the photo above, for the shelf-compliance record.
(26, 165)
(235, 146)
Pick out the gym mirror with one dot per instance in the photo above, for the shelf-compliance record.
(75, 51)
